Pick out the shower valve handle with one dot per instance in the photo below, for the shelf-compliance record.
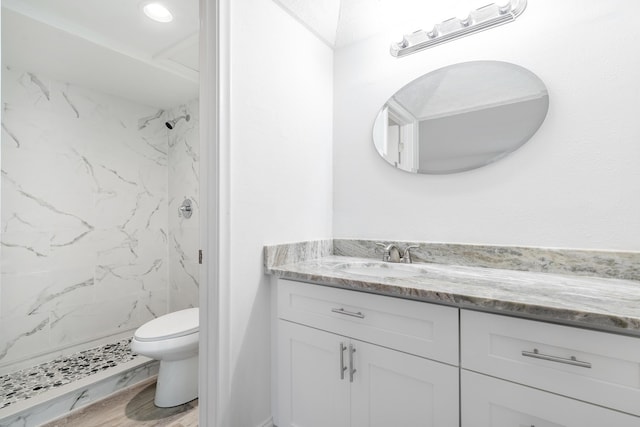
(185, 209)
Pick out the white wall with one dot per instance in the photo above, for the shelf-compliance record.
(280, 171)
(575, 184)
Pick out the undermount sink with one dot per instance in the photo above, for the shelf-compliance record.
(379, 269)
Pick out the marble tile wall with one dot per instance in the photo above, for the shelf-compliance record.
(84, 215)
(183, 232)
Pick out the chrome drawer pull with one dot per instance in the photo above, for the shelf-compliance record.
(571, 361)
(342, 367)
(359, 315)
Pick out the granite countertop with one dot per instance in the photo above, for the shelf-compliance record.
(593, 302)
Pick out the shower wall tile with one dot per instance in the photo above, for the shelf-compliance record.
(67, 288)
(184, 238)
(77, 324)
(24, 251)
(84, 215)
(184, 284)
(24, 335)
(113, 284)
(18, 292)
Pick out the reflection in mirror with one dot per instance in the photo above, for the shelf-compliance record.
(460, 117)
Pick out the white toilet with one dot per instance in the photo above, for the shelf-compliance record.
(173, 340)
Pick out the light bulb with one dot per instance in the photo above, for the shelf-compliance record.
(158, 12)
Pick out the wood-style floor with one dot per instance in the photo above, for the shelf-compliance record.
(131, 407)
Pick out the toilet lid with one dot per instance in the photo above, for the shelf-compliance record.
(172, 325)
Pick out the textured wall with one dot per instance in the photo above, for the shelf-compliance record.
(575, 184)
(84, 216)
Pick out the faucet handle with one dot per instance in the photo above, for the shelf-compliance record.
(406, 254)
(386, 252)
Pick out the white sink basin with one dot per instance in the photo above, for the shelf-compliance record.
(379, 269)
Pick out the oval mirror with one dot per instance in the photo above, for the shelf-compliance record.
(460, 117)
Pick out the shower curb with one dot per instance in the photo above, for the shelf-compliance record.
(57, 402)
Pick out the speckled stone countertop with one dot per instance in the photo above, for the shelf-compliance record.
(593, 302)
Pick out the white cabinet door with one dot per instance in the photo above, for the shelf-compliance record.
(491, 402)
(391, 388)
(311, 392)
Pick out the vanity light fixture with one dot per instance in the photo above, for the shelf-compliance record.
(157, 12)
(486, 17)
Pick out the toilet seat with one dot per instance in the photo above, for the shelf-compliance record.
(172, 325)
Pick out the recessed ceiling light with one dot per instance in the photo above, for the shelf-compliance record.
(157, 12)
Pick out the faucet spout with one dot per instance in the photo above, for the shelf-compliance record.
(394, 253)
(391, 253)
(406, 254)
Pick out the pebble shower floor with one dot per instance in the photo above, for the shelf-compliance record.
(29, 382)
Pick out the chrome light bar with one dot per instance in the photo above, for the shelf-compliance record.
(486, 17)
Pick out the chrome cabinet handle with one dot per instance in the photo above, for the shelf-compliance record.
(359, 314)
(352, 370)
(571, 361)
(342, 367)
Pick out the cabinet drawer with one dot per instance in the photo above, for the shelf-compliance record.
(596, 367)
(414, 327)
(490, 402)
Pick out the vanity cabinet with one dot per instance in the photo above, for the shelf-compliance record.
(528, 373)
(344, 359)
(356, 359)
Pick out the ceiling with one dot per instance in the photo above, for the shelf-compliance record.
(112, 47)
(106, 45)
(342, 22)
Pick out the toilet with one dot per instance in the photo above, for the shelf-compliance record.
(173, 340)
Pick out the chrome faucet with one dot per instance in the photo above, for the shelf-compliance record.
(406, 254)
(392, 253)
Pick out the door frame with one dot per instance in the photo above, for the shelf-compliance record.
(214, 358)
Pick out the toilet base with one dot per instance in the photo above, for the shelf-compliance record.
(177, 382)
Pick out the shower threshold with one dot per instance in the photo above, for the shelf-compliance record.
(34, 395)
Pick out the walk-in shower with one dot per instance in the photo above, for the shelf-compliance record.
(92, 245)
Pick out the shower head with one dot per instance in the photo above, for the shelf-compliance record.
(171, 123)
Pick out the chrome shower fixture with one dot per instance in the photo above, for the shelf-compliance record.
(185, 210)
(171, 123)
(486, 17)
